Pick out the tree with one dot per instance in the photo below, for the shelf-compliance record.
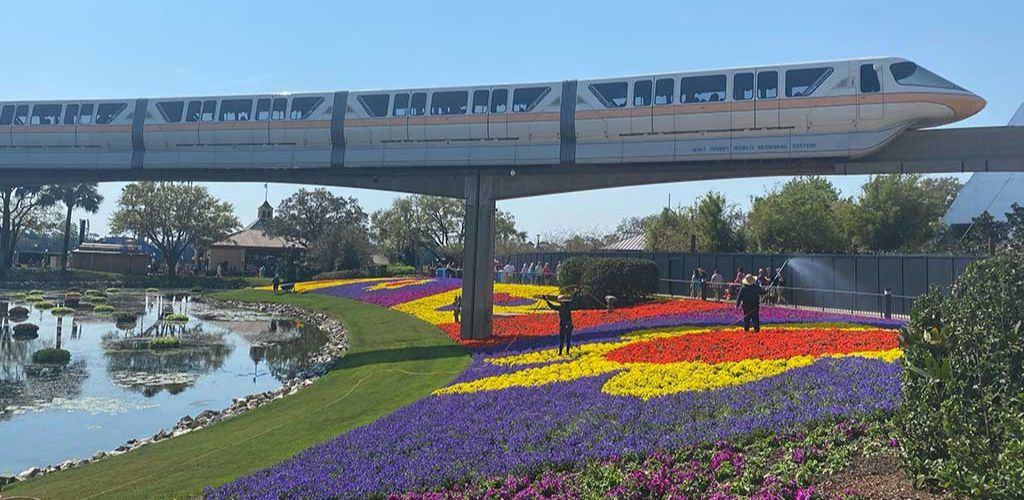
(899, 212)
(984, 235)
(711, 222)
(1015, 229)
(333, 230)
(171, 217)
(801, 216)
(23, 209)
(436, 225)
(306, 216)
(72, 196)
(632, 226)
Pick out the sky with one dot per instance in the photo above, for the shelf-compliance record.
(124, 49)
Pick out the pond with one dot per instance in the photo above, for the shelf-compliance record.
(118, 387)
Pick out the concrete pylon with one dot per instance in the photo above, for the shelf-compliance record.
(478, 258)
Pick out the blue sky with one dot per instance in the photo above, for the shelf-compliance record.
(72, 49)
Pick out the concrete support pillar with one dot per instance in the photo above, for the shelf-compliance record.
(478, 258)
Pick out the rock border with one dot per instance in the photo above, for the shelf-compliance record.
(321, 362)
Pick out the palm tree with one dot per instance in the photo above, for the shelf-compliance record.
(81, 195)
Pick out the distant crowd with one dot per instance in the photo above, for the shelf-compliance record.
(704, 287)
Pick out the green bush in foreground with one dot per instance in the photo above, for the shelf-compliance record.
(961, 417)
(51, 356)
(166, 342)
(629, 280)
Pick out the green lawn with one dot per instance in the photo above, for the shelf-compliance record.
(394, 360)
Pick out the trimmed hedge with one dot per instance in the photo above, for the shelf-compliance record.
(963, 358)
(51, 356)
(629, 280)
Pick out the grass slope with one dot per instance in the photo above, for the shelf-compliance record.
(394, 360)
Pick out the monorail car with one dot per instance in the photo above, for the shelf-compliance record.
(845, 108)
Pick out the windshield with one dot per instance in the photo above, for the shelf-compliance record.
(908, 73)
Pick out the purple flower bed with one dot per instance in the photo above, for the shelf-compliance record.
(445, 439)
(388, 297)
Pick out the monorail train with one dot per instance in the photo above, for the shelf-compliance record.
(846, 108)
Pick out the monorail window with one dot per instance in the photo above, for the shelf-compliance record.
(209, 111)
(85, 114)
(401, 107)
(664, 91)
(449, 102)
(525, 99)
(418, 107)
(46, 114)
(908, 73)
(480, 98)
(171, 110)
(236, 110)
(303, 107)
(642, 92)
(803, 82)
(499, 101)
(375, 105)
(262, 110)
(107, 113)
(70, 114)
(709, 88)
(869, 82)
(194, 109)
(7, 115)
(21, 114)
(767, 84)
(611, 95)
(743, 86)
(280, 108)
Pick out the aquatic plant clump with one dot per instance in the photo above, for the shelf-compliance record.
(51, 356)
(103, 308)
(62, 311)
(176, 318)
(26, 331)
(166, 342)
(18, 312)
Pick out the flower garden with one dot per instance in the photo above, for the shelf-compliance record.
(645, 381)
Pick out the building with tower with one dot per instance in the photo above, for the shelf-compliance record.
(251, 249)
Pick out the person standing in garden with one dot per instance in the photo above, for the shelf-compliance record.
(564, 307)
(457, 308)
(716, 284)
(694, 283)
(749, 300)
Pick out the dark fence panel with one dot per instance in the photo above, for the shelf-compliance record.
(851, 282)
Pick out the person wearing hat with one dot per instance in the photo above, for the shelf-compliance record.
(564, 307)
(749, 299)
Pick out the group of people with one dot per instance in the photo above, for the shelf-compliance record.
(532, 273)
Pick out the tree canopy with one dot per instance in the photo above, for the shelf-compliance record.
(801, 216)
(172, 216)
(711, 221)
(333, 230)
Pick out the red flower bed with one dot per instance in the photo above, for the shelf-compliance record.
(770, 343)
(537, 325)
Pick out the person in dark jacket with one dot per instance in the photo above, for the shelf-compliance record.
(564, 307)
(457, 308)
(749, 299)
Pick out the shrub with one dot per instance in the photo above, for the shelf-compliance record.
(341, 275)
(95, 293)
(629, 280)
(166, 342)
(43, 304)
(113, 290)
(152, 290)
(18, 296)
(62, 311)
(72, 295)
(26, 330)
(962, 399)
(37, 292)
(103, 308)
(18, 312)
(51, 356)
(176, 317)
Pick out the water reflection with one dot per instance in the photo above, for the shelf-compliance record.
(116, 387)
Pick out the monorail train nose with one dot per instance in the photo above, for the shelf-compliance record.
(968, 105)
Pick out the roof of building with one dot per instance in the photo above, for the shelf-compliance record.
(637, 243)
(991, 191)
(252, 238)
